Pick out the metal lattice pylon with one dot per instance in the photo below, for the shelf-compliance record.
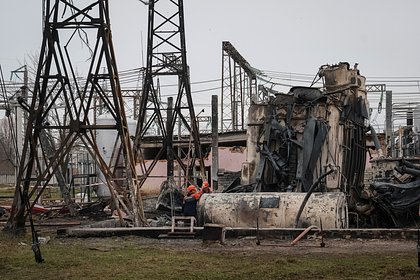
(166, 58)
(58, 88)
(239, 86)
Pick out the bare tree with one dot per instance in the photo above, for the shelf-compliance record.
(7, 141)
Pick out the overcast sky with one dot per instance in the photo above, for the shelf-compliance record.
(289, 36)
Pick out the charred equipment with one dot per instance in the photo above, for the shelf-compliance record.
(307, 141)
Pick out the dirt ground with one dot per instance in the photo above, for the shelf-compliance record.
(237, 258)
(309, 245)
(248, 245)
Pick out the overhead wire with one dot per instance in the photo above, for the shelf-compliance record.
(285, 79)
(272, 77)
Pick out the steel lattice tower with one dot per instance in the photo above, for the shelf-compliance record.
(57, 83)
(166, 58)
(239, 86)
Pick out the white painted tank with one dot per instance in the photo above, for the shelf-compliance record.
(105, 140)
(273, 210)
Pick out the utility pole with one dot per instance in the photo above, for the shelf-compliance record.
(170, 142)
(389, 123)
(214, 142)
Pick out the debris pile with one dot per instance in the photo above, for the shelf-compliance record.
(395, 192)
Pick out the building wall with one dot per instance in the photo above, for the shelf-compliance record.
(230, 161)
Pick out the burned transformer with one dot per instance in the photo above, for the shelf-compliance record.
(310, 141)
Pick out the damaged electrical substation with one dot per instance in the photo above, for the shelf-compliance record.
(306, 161)
(273, 160)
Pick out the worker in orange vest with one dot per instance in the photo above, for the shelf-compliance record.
(189, 207)
(205, 188)
(190, 200)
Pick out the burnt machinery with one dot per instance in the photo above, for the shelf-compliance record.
(58, 89)
(307, 141)
(298, 137)
(394, 192)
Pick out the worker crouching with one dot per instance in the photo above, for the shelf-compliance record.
(189, 207)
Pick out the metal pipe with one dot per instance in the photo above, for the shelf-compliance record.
(308, 194)
(296, 240)
(404, 169)
(375, 138)
(169, 141)
(409, 164)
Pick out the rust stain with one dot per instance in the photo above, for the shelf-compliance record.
(237, 149)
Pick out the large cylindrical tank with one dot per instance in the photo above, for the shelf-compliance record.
(105, 140)
(273, 210)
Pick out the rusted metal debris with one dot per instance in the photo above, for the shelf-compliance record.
(170, 197)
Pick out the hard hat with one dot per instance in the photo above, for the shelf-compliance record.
(205, 184)
(191, 188)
